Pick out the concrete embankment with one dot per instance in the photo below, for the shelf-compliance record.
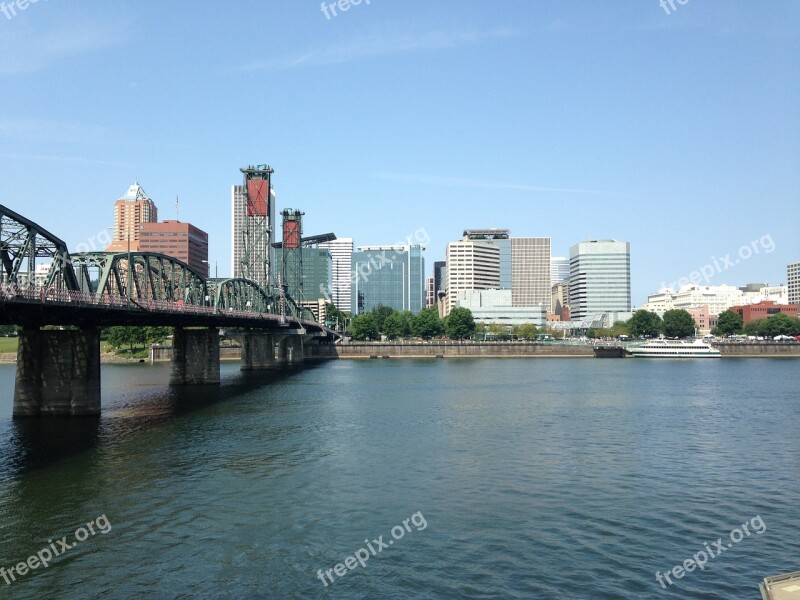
(460, 350)
(758, 349)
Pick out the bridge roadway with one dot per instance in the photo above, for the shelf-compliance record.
(58, 370)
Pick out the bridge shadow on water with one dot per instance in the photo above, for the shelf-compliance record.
(35, 443)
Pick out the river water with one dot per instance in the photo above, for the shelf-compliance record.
(491, 478)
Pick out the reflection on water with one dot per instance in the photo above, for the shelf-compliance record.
(135, 398)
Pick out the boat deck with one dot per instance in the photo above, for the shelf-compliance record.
(781, 587)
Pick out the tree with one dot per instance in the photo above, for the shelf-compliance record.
(127, 336)
(644, 323)
(396, 325)
(729, 323)
(459, 324)
(380, 313)
(526, 331)
(779, 324)
(678, 323)
(363, 327)
(427, 324)
(496, 329)
(156, 335)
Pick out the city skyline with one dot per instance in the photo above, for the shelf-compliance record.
(336, 289)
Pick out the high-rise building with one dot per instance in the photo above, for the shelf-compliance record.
(471, 265)
(130, 212)
(599, 278)
(559, 300)
(430, 292)
(317, 270)
(501, 239)
(439, 276)
(253, 227)
(793, 281)
(179, 240)
(340, 293)
(559, 269)
(392, 276)
(530, 272)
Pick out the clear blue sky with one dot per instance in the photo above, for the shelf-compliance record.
(677, 132)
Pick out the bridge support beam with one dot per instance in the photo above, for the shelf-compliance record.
(258, 351)
(195, 356)
(58, 373)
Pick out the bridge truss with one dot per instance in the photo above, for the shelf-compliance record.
(24, 245)
(152, 277)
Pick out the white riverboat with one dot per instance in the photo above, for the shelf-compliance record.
(675, 349)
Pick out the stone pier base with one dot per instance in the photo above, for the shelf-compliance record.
(58, 373)
(258, 351)
(195, 356)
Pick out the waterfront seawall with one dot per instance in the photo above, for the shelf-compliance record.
(758, 349)
(460, 350)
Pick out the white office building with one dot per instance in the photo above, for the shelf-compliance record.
(340, 294)
(793, 282)
(471, 265)
(559, 269)
(495, 306)
(599, 278)
(718, 298)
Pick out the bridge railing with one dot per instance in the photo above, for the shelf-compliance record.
(41, 295)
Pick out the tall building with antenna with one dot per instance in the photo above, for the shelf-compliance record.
(130, 212)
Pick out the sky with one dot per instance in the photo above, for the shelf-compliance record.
(675, 130)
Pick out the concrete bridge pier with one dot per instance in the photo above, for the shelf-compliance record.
(281, 351)
(195, 356)
(258, 351)
(58, 373)
(295, 355)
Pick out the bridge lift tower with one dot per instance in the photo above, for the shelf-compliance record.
(292, 256)
(257, 225)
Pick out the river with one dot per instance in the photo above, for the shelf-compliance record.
(491, 478)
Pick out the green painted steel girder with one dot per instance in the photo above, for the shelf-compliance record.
(153, 277)
(23, 244)
(241, 294)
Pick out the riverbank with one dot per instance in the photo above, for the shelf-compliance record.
(758, 349)
(453, 349)
(106, 358)
(466, 349)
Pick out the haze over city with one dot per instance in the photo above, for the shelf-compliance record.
(676, 131)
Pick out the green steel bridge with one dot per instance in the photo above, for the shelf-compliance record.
(121, 288)
(58, 371)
